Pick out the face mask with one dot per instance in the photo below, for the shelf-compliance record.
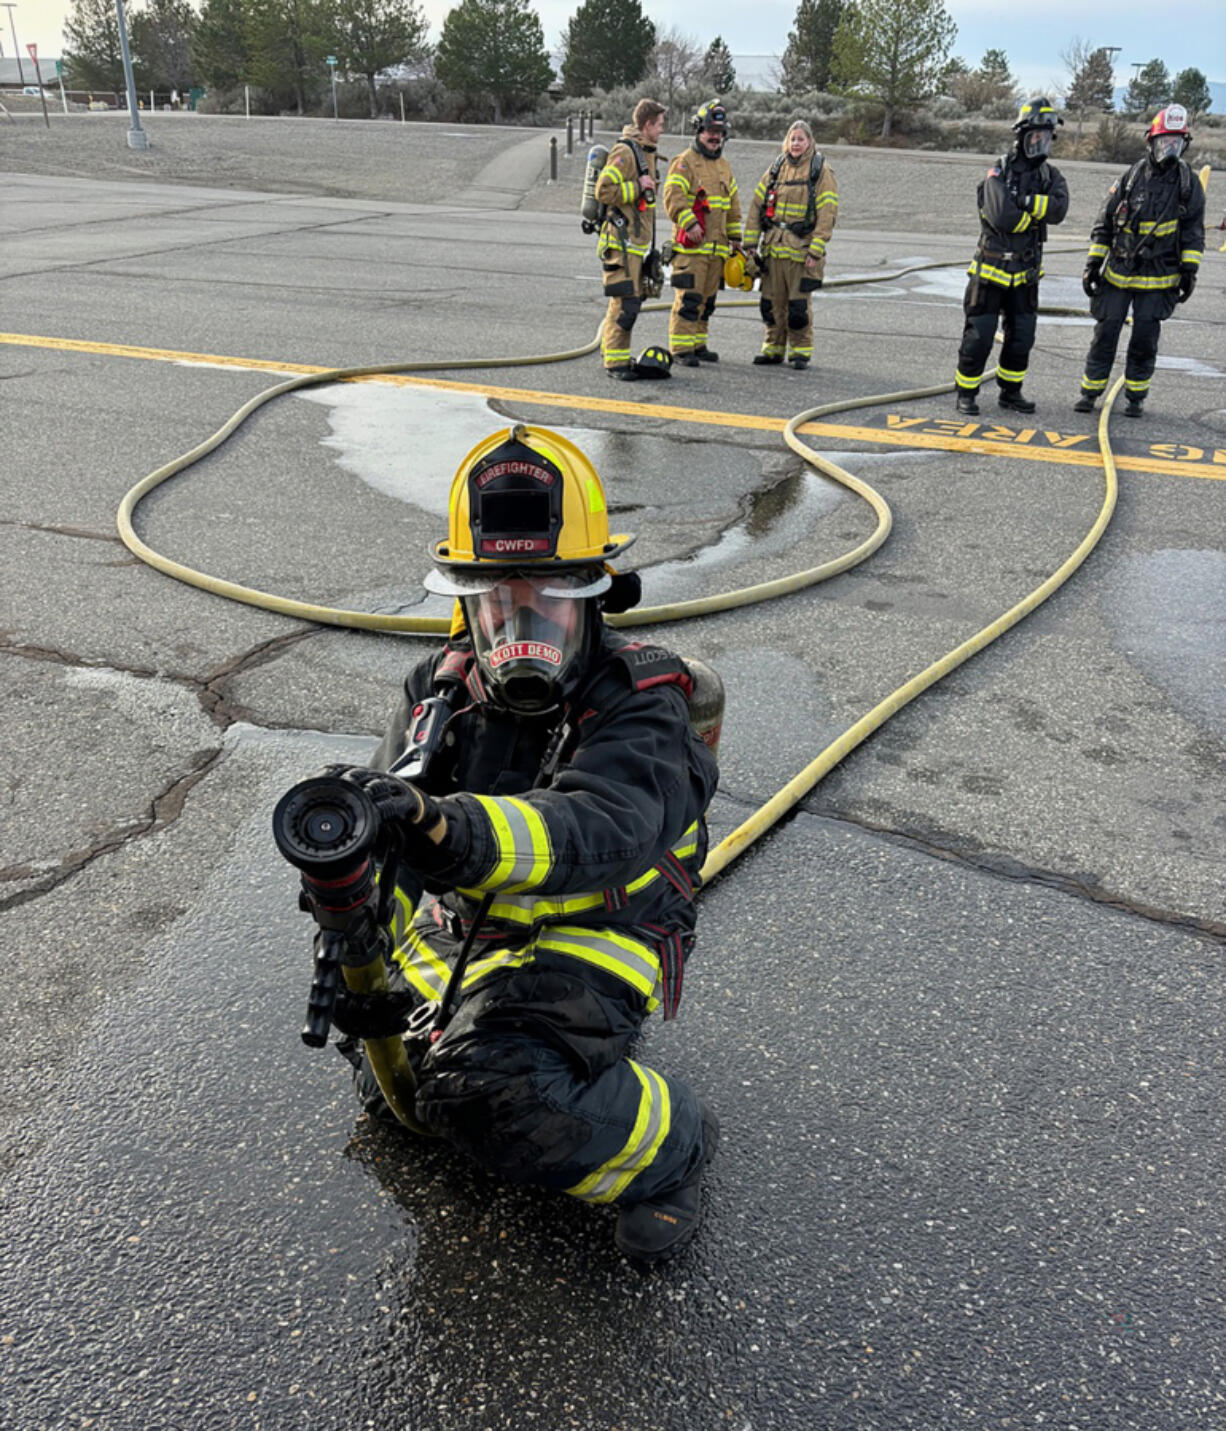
(1165, 148)
(1036, 143)
(528, 633)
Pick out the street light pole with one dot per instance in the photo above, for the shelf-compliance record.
(137, 138)
(10, 6)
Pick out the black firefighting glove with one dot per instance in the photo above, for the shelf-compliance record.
(1187, 282)
(1091, 279)
(413, 814)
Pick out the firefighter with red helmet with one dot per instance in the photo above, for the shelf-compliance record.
(569, 790)
(701, 199)
(1021, 196)
(1145, 251)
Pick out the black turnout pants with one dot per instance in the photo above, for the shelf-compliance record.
(986, 304)
(1150, 309)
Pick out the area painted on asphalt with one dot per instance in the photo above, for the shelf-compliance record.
(898, 430)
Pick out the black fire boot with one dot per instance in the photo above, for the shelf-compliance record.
(705, 355)
(690, 360)
(657, 1230)
(966, 402)
(624, 374)
(767, 360)
(1134, 407)
(1085, 402)
(799, 361)
(1012, 400)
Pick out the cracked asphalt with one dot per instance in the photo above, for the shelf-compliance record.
(962, 1015)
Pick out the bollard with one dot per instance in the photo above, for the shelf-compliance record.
(553, 159)
(582, 125)
(570, 135)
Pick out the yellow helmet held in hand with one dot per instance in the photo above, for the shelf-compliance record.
(736, 273)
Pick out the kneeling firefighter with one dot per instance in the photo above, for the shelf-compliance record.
(556, 810)
(700, 196)
(626, 191)
(791, 219)
(1022, 194)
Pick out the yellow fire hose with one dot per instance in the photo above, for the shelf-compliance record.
(387, 1059)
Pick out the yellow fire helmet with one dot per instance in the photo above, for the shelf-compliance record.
(736, 273)
(523, 499)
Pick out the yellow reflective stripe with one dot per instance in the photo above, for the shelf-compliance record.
(1098, 250)
(651, 1127)
(818, 248)
(1140, 281)
(827, 199)
(522, 838)
(718, 201)
(1022, 224)
(1093, 385)
(1040, 205)
(628, 959)
(678, 181)
(421, 966)
(972, 384)
(996, 275)
(1009, 376)
(1190, 256)
(1136, 385)
(1158, 230)
(502, 959)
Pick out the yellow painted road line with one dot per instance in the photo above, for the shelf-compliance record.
(937, 434)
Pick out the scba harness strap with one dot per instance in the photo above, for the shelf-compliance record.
(802, 228)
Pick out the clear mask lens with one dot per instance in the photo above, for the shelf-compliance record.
(527, 633)
(1166, 146)
(1036, 143)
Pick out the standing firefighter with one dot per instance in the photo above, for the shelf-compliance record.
(1145, 250)
(558, 812)
(791, 218)
(1021, 195)
(627, 189)
(700, 198)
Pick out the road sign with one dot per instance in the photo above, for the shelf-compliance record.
(331, 60)
(33, 49)
(59, 67)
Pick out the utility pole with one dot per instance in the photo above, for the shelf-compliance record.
(137, 138)
(10, 6)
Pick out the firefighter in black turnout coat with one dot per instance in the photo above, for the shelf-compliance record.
(1022, 194)
(572, 790)
(1145, 252)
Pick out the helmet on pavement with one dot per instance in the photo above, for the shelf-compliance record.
(525, 554)
(1035, 127)
(1168, 136)
(654, 362)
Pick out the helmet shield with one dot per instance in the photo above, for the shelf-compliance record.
(1165, 148)
(531, 633)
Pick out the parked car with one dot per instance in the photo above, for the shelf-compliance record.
(32, 89)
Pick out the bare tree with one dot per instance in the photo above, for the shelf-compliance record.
(675, 62)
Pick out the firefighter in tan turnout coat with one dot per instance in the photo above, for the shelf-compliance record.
(700, 197)
(791, 218)
(627, 187)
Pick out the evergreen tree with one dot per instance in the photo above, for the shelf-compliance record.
(717, 68)
(220, 50)
(162, 37)
(808, 60)
(287, 42)
(493, 51)
(607, 43)
(1093, 86)
(369, 36)
(1191, 89)
(92, 57)
(1149, 89)
(994, 67)
(894, 52)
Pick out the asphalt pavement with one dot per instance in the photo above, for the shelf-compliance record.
(961, 1015)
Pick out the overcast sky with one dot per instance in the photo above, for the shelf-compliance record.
(1031, 32)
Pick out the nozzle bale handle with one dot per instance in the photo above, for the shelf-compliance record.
(324, 984)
